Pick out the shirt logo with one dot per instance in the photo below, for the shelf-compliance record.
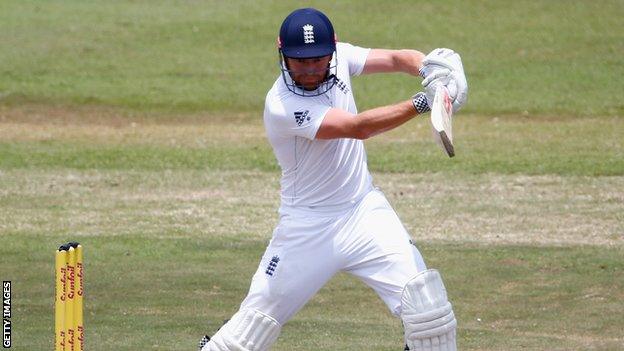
(302, 116)
(272, 266)
(342, 86)
(308, 34)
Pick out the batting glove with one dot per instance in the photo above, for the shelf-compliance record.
(441, 60)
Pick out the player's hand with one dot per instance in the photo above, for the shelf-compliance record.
(423, 101)
(440, 60)
(435, 79)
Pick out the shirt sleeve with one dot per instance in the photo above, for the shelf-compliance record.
(295, 117)
(355, 56)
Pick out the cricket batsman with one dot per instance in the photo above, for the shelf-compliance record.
(332, 218)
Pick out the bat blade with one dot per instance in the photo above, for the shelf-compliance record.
(442, 120)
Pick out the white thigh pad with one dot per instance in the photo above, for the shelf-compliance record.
(427, 314)
(248, 330)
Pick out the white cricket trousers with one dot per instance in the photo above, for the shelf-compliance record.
(309, 247)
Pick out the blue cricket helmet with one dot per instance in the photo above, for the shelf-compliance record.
(307, 33)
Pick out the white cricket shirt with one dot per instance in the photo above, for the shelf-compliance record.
(317, 174)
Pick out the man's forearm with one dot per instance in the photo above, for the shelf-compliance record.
(384, 118)
(388, 61)
(409, 61)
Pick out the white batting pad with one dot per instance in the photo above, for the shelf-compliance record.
(248, 330)
(427, 314)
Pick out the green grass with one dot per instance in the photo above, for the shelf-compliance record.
(554, 57)
(54, 155)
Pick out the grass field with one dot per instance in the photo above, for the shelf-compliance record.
(134, 127)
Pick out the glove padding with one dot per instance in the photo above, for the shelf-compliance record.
(445, 58)
(444, 66)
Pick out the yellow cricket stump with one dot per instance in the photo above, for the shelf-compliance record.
(59, 301)
(78, 300)
(69, 294)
